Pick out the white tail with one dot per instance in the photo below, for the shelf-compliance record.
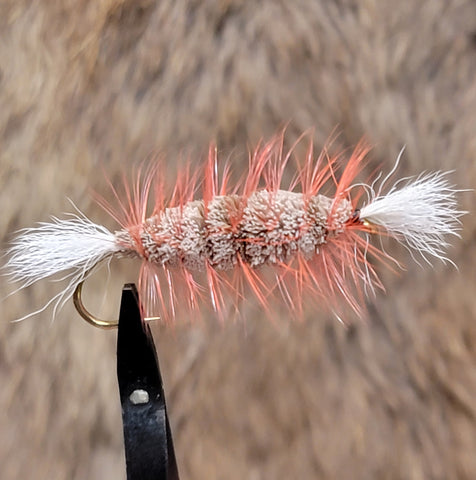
(73, 247)
(420, 213)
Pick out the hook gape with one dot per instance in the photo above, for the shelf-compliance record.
(91, 319)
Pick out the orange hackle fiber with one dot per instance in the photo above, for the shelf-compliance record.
(251, 219)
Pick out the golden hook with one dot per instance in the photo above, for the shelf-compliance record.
(96, 322)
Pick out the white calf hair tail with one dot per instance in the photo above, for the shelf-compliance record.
(72, 247)
(421, 213)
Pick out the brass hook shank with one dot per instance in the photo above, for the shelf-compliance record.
(91, 319)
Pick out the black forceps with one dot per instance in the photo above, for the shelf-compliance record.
(148, 443)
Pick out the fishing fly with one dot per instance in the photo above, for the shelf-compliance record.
(289, 242)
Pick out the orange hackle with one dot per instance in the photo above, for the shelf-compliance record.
(338, 271)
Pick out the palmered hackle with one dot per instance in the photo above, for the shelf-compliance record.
(261, 236)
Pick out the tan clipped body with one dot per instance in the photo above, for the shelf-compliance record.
(265, 229)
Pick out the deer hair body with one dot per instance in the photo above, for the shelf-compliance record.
(255, 236)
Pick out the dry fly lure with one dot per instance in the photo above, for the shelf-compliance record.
(254, 236)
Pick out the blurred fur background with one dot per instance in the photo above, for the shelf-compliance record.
(88, 86)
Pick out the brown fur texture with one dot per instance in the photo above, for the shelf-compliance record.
(87, 86)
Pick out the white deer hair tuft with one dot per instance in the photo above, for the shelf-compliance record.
(75, 245)
(420, 213)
